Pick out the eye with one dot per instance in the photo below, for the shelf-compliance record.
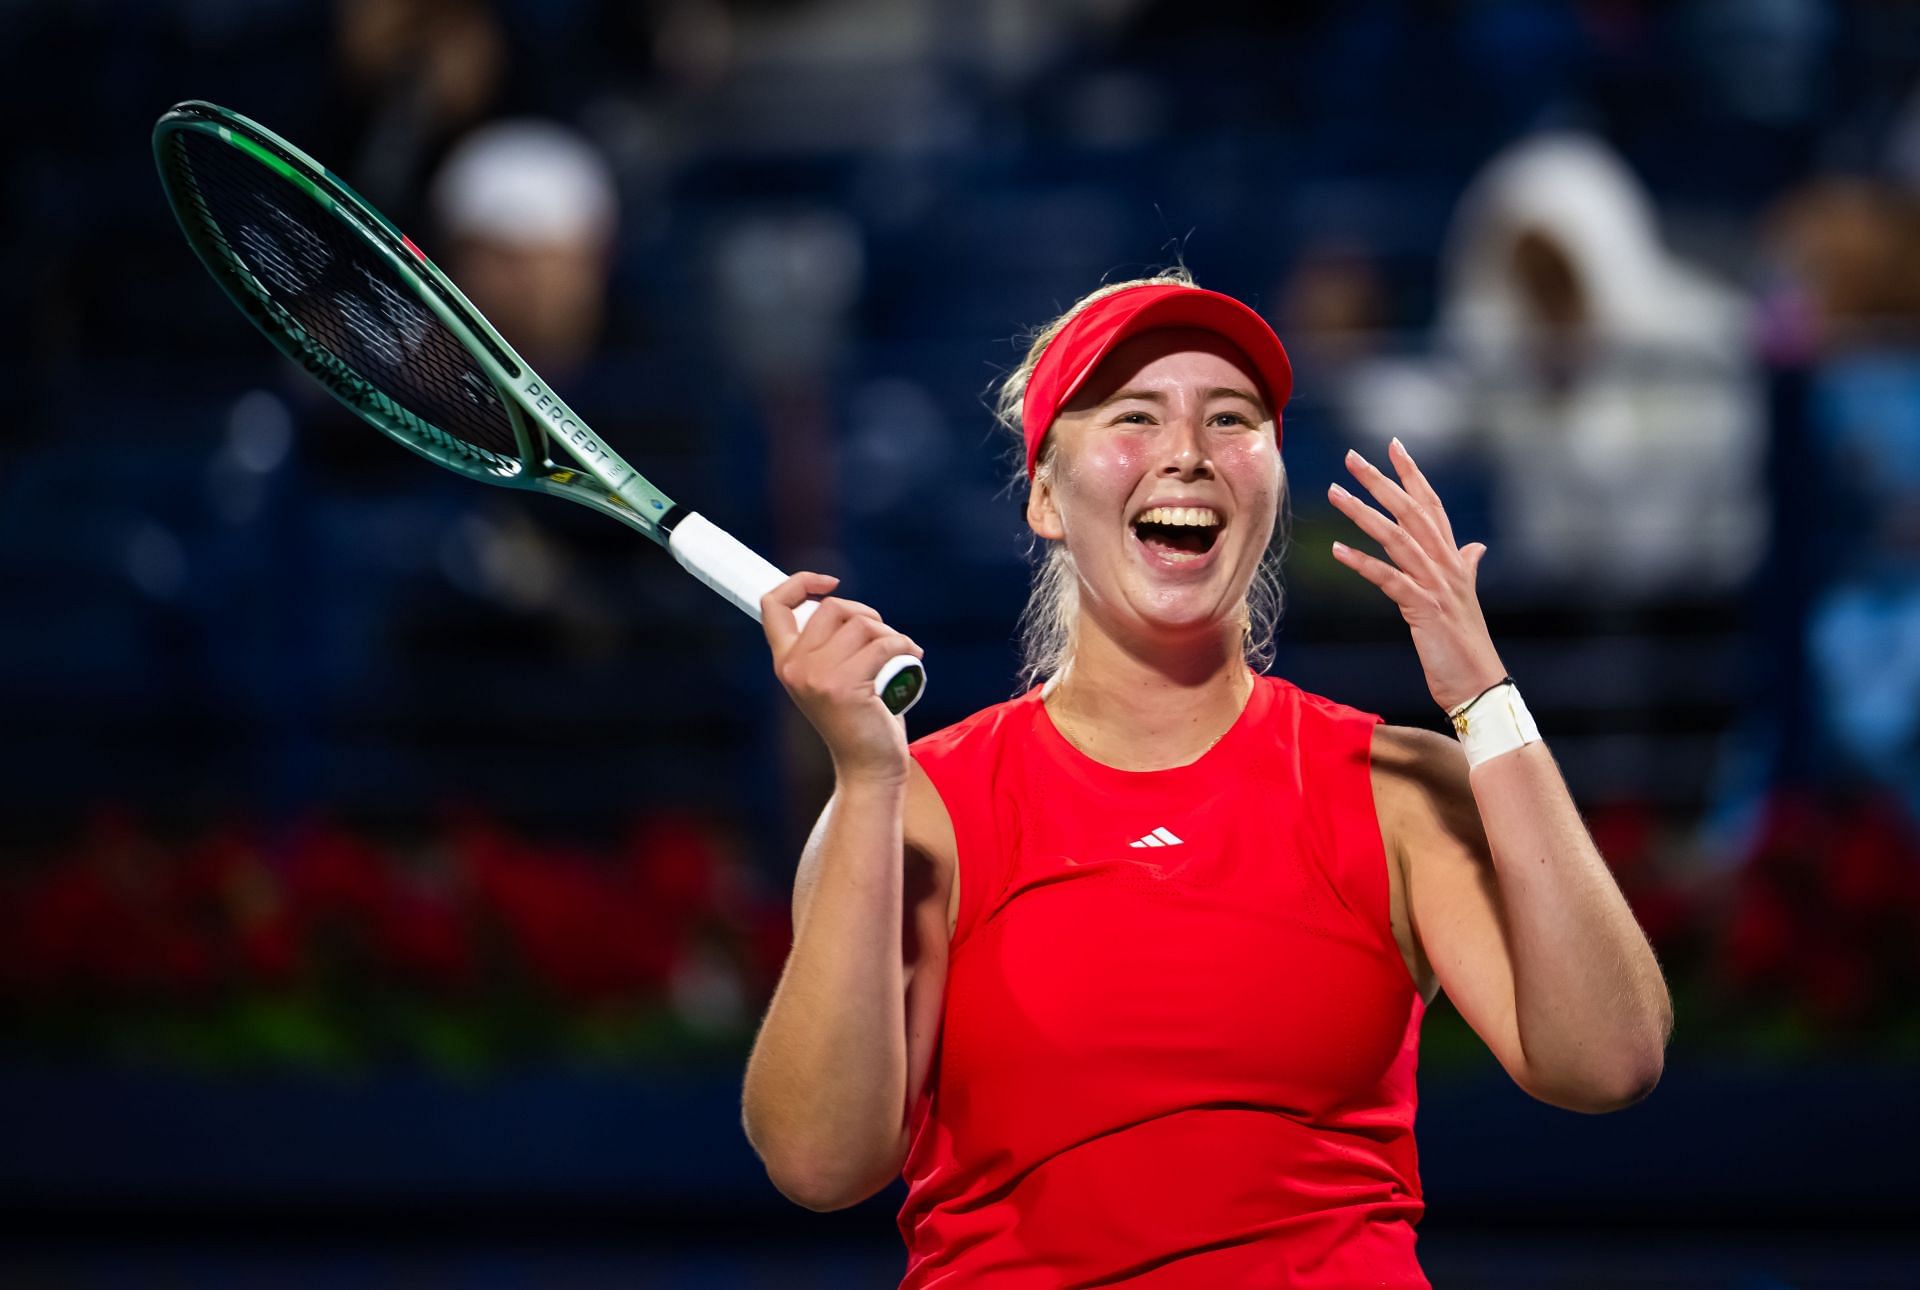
(1133, 419)
(1232, 419)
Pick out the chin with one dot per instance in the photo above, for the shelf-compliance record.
(1181, 615)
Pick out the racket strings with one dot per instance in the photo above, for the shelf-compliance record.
(345, 304)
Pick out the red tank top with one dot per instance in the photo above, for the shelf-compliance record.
(1179, 1040)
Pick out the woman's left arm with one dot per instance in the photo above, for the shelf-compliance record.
(1524, 926)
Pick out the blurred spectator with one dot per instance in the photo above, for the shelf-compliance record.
(413, 75)
(1849, 252)
(787, 287)
(1334, 303)
(1338, 317)
(1608, 382)
(1850, 306)
(530, 210)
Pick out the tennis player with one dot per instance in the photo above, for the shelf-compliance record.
(1126, 975)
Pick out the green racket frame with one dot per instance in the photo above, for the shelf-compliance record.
(597, 476)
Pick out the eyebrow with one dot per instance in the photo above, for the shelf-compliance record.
(1157, 396)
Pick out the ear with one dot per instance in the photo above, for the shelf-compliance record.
(1043, 517)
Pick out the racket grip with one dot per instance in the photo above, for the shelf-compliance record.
(743, 576)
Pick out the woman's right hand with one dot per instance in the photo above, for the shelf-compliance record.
(829, 666)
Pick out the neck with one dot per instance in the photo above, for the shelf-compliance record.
(1136, 707)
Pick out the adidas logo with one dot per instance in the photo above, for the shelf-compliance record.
(1160, 837)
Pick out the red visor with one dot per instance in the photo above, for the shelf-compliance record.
(1075, 354)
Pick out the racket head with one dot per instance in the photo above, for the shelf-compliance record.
(350, 299)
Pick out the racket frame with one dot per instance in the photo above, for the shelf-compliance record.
(539, 417)
(598, 478)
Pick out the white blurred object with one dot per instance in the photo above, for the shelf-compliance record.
(526, 182)
(1575, 189)
(1627, 433)
(529, 211)
(1389, 396)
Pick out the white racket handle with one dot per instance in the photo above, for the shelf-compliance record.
(740, 574)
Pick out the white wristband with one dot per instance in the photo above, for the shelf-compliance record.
(1494, 723)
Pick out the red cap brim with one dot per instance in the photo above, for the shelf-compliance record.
(1073, 356)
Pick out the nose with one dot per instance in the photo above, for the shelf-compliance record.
(1187, 450)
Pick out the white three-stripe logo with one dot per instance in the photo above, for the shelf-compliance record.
(1161, 837)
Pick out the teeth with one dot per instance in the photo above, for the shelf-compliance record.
(1185, 516)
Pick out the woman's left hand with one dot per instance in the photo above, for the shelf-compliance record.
(1431, 577)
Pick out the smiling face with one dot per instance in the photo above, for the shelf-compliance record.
(1163, 478)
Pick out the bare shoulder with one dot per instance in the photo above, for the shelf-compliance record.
(1420, 787)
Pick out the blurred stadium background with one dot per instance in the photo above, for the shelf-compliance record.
(328, 955)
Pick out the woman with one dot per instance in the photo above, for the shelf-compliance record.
(1127, 974)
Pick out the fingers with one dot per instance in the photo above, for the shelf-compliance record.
(843, 660)
(1398, 543)
(1418, 511)
(1401, 589)
(1425, 568)
(866, 665)
(830, 619)
(777, 606)
(819, 643)
(789, 609)
(827, 654)
(1414, 481)
(1375, 481)
(1474, 553)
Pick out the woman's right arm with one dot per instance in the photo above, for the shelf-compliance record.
(849, 1035)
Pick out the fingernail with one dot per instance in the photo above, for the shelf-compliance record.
(1397, 444)
(1338, 491)
(1339, 548)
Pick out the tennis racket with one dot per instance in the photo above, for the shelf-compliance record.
(352, 300)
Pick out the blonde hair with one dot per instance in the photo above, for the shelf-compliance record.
(1053, 600)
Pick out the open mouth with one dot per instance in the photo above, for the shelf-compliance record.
(1178, 533)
